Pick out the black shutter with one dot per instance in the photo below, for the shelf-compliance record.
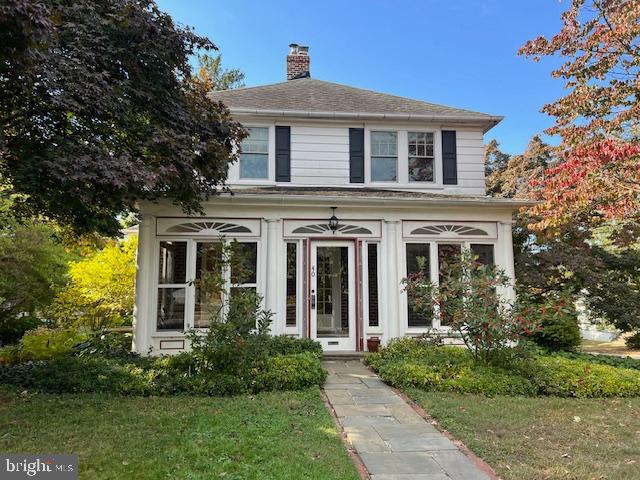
(356, 155)
(449, 158)
(283, 154)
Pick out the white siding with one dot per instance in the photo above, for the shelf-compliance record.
(319, 155)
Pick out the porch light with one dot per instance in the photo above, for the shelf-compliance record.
(333, 221)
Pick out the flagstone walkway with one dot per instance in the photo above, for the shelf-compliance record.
(392, 439)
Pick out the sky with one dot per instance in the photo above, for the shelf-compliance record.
(461, 53)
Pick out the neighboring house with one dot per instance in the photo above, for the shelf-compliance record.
(337, 192)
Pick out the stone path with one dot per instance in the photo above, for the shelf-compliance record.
(393, 441)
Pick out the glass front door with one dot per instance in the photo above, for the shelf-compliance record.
(332, 294)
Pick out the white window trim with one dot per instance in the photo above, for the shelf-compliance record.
(189, 316)
(234, 168)
(434, 277)
(297, 329)
(364, 255)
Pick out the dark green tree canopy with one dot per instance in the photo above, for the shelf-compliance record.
(99, 109)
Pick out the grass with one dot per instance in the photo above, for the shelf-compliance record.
(288, 435)
(544, 438)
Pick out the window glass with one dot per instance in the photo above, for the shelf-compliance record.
(244, 263)
(384, 156)
(414, 252)
(372, 271)
(172, 262)
(421, 158)
(254, 156)
(484, 253)
(171, 302)
(449, 256)
(292, 283)
(209, 283)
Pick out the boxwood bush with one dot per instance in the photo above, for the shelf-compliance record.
(410, 363)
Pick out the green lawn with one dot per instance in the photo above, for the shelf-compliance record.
(544, 438)
(287, 435)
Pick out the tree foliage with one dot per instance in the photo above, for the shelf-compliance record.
(597, 176)
(101, 288)
(214, 77)
(99, 108)
(32, 268)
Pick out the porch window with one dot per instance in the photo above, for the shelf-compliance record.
(421, 157)
(292, 283)
(254, 154)
(415, 251)
(384, 156)
(208, 284)
(172, 285)
(484, 253)
(372, 283)
(449, 256)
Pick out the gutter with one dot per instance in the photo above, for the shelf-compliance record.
(492, 120)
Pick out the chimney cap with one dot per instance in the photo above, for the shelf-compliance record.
(293, 47)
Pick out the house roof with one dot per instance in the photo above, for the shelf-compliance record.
(369, 195)
(309, 97)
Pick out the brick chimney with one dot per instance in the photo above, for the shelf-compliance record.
(298, 62)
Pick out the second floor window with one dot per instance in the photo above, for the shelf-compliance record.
(384, 156)
(254, 156)
(421, 157)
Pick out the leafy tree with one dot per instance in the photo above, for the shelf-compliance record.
(32, 268)
(214, 77)
(99, 108)
(101, 288)
(597, 178)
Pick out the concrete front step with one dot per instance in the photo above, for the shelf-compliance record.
(342, 355)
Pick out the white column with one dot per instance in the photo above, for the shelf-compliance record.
(393, 317)
(505, 242)
(142, 321)
(272, 276)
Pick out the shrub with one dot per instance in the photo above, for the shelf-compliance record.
(46, 343)
(107, 344)
(559, 328)
(612, 360)
(287, 345)
(466, 299)
(521, 371)
(290, 372)
(633, 341)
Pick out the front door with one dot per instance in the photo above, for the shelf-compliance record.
(332, 294)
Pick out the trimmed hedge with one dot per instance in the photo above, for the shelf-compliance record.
(160, 376)
(409, 363)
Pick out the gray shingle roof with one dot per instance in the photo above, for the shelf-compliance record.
(309, 95)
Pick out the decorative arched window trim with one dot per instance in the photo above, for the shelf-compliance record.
(324, 228)
(448, 229)
(209, 227)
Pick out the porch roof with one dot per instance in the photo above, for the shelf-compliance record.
(369, 195)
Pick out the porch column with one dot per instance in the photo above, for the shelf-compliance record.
(272, 275)
(392, 321)
(142, 321)
(505, 236)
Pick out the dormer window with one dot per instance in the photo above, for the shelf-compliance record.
(421, 156)
(384, 156)
(254, 156)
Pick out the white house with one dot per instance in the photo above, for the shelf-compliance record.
(401, 178)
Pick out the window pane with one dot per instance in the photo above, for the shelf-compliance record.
(383, 169)
(292, 283)
(420, 169)
(257, 141)
(415, 251)
(244, 263)
(448, 261)
(372, 269)
(172, 262)
(484, 253)
(208, 284)
(254, 165)
(384, 143)
(171, 309)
